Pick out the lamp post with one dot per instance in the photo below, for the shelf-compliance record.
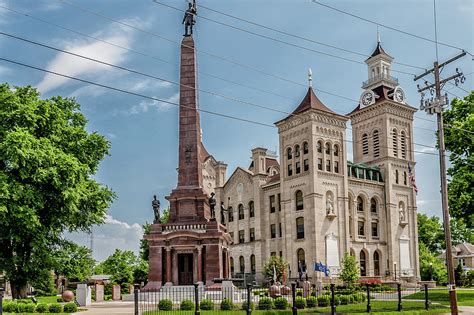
(431, 271)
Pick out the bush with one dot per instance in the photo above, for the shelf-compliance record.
(344, 299)
(27, 308)
(59, 300)
(165, 305)
(186, 305)
(10, 307)
(265, 303)
(244, 305)
(206, 305)
(299, 292)
(351, 299)
(311, 301)
(227, 305)
(41, 308)
(55, 308)
(323, 300)
(70, 307)
(281, 303)
(337, 300)
(300, 302)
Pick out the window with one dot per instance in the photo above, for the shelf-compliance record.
(298, 167)
(403, 144)
(373, 205)
(336, 167)
(336, 150)
(327, 148)
(280, 232)
(289, 154)
(319, 146)
(231, 214)
(279, 201)
(376, 264)
(305, 148)
(362, 264)
(272, 204)
(232, 269)
(300, 228)
(350, 227)
(281, 254)
(241, 236)
(297, 151)
(251, 209)
(290, 169)
(360, 204)
(361, 228)
(299, 200)
(396, 176)
(328, 165)
(365, 144)
(375, 139)
(306, 165)
(252, 264)
(301, 260)
(242, 264)
(395, 142)
(272, 231)
(241, 212)
(320, 164)
(375, 229)
(404, 178)
(252, 235)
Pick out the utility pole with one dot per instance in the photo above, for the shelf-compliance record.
(435, 106)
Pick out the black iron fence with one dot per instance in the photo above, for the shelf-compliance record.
(229, 299)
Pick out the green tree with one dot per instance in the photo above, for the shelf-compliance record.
(459, 139)
(47, 163)
(430, 232)
(430, 265)
(350, 272)
(73, 261)
(120, 265)
(275, 263)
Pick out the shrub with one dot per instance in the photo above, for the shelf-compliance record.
(281, 303)
(227, 305)
(323, 300)
(362, 297)
(41, 308)
(165, 305)
(206, 305)
(29, 308)
(10, 307)
(350, 299)
(344, 299)
(55, 308)
(244, 305)
(299, 293)
(300, 302)
(59, 300)
(311, 301)
(337, 300)
(186, 305)
(70, 307)
(265, 303)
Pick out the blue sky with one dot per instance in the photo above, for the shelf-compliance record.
(144, 132)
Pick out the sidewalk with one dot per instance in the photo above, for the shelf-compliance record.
(117, 307)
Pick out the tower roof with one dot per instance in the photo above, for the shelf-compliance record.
(379, 51)
(311, 101)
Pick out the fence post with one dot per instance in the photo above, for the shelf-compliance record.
(196, 299)
(369, 307)
(249, 302)
(135, 297)
(293, 294)
(333, 300)
(1, 300)
(427, 302)
(399, 289)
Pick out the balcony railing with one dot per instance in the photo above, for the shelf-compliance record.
(380, 76)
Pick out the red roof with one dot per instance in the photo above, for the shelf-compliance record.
(273, 179)
(271, 162)
(311, 101)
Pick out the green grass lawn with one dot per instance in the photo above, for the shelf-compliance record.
(465, 297)
(48, 299)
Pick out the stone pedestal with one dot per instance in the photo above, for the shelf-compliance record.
(116, 292)
(99, 293)
(306, 289)
(83, 295)
(228, 290)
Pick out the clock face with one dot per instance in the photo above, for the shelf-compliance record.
(399, 95)
(367, 98)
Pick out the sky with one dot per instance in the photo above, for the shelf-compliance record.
(232, 62)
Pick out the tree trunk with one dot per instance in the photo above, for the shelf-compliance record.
(19, 290)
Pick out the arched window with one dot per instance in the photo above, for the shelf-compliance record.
(395, 142)
(241, 211)
(231, 214)
(376, 264)
(365, 144)
(403, 144)
(360, 204)
(242, 264)
(396, 176)
(375, 138)
(373, 205)
(336, 150)
(404, 178)
(305, 148)
(300, 228)
(232, 269)
(297, 150)
(362, 264)
(327, 148)
(319, 146)
(299, 200)
(252, 264)
(301, 260)
(251, 209)
(289, 154)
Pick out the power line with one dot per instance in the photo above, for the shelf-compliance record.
(388, 27)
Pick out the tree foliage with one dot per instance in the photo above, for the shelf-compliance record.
(275, 263)
(429, 263)
(350, 272)
(124, 267)
(459, 139)
(73, 261)
(47, 160)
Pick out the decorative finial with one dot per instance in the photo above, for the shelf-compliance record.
(378, 35)
(310, 77)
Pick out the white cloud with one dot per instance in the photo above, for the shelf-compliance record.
(145, 106)
(4, 70)
(111, 135)
(425, 150)
(147, 84)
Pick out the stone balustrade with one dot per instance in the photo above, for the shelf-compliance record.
(198, 227)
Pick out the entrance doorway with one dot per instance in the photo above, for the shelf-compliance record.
(185, 269)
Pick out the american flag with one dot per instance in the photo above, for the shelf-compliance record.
(411, 176)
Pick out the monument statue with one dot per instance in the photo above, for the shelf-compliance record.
(189, 18)
(329, 205)
(223, 211)
(402, 215)
(212, 205)
(156, 209)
